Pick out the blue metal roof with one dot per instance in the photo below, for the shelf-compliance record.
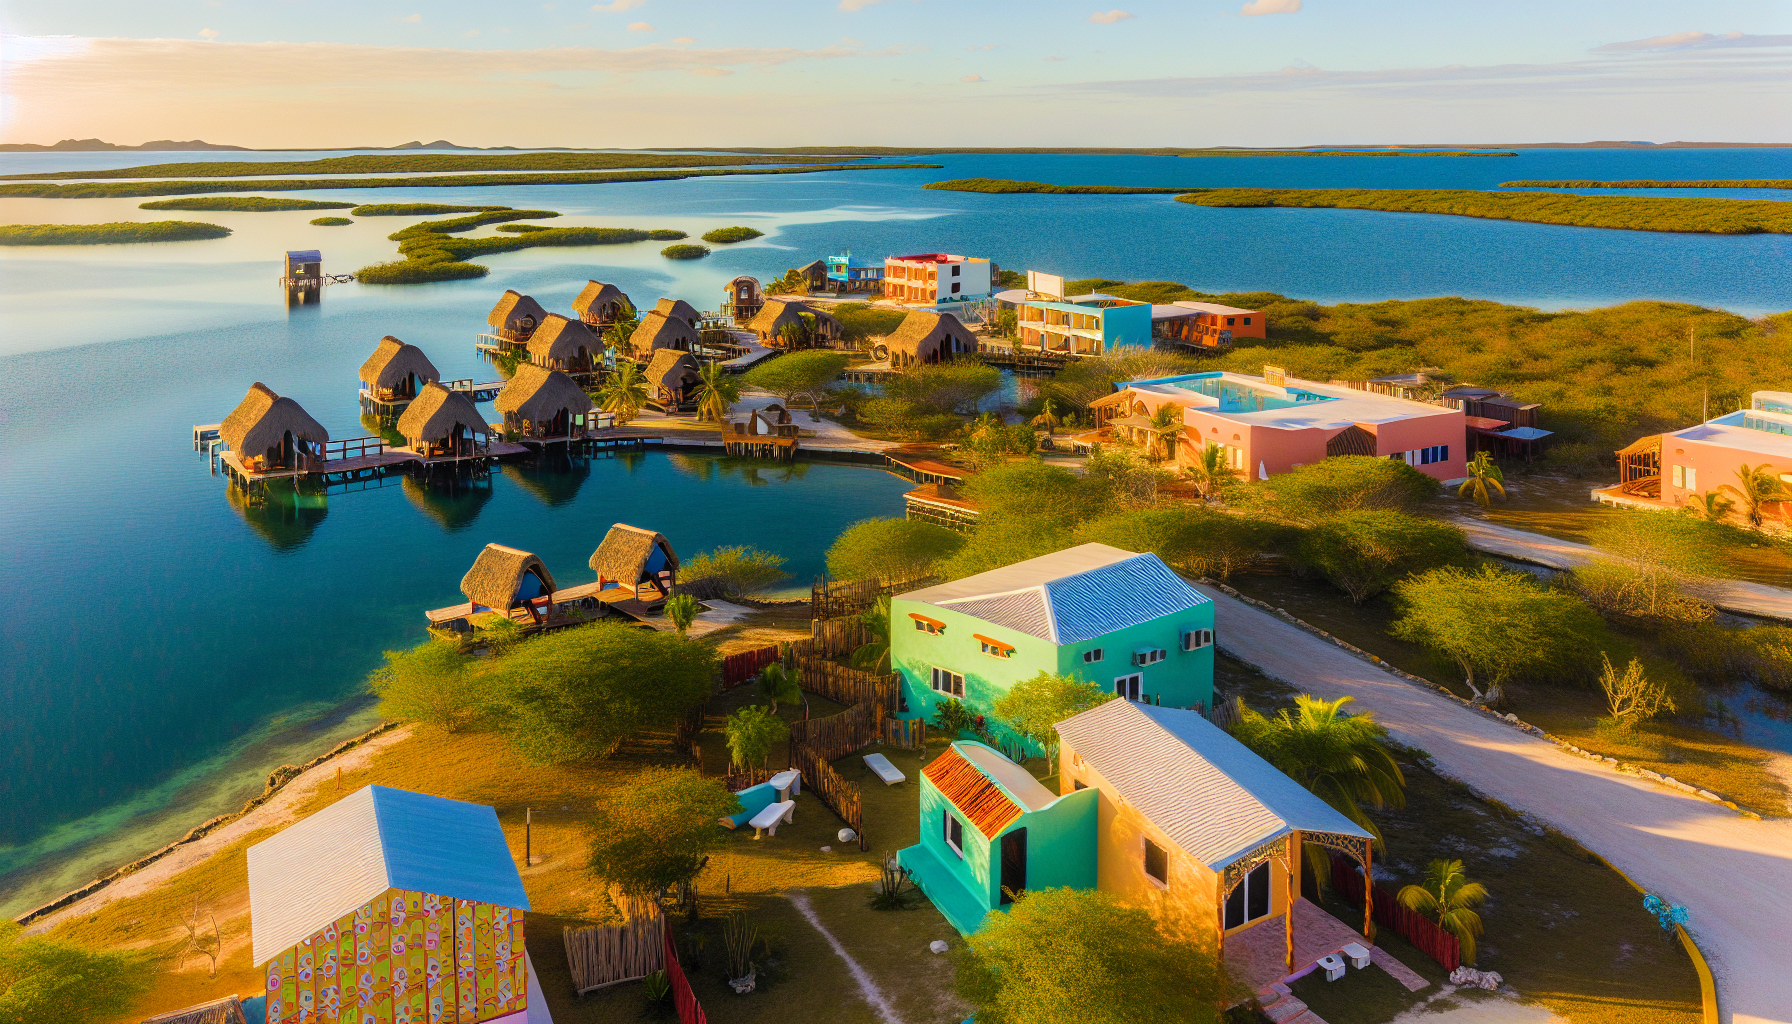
(446, 847)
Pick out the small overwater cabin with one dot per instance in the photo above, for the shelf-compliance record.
(570, 346)
(504, 579)
(393, 376)
(658, 330)
(639, 561)
(600, 305)
(515, 318)
(444, 424)
(672, 381)
(304, 269)
(390, 906)
(542, 405)
(271, 434)
(925, 338)
(746, 296)
(787, 323)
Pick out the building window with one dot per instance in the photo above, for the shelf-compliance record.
(1247, 321)
(1129, 686)
(948, 682)
(1148, 656)
(927, 625)
(1090, 657)
(1424, 456)
(954, 832)
(1229, 321)
(955, 269)
(1692, 478)
(995, 650)
(955, 285)
(1157, 864)
(1195, 639)
(1679, 477)
(1250, 900)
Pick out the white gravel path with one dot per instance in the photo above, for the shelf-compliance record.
(1733, 874)
(868, 988)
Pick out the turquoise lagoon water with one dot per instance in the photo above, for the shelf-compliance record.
(165, 647)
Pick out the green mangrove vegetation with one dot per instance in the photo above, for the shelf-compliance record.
(126, 189)
(432, 256)
(723, 236)
(1626, 213)
(468, 223)
(414, 209)
(523, 229)
(1655, 183)
(1003, 186)
(331, 222)
(115, 233)
(376, 163)
(838, 151)
(242, 204)
(685, 252)
(667, 234)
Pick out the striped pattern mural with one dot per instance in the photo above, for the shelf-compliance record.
(404, 958)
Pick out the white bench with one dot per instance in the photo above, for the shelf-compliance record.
(1356, 954)
(788, 783)
(774, 815)
(883, 769)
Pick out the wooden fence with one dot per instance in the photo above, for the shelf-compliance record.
(831, 599)
(908, 733)
(839, 735)
(841, 684)
(744, 780)
(841, 796)
(837, 638)
(683, 999)
(738, 668)
(601, 956)
(1416, 928)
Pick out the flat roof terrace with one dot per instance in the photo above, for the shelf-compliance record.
(1298, 405)
(1753, 430)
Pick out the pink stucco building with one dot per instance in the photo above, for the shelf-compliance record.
(1273, 424)
(1668, 470)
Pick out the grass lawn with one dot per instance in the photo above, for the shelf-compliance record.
(1693, 754)
(1562, 928)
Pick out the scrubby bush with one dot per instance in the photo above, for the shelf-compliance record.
(1498, 625)
(117, 233)
(431, 683)
(658, 830)
(1363, 552)
(736, 573)
(331, 222)
(725, 236)
(1350, 483)
(241, 204)
(667, 234)
(685, 252)
(891, 549)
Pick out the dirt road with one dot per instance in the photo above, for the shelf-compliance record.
(1733, 874)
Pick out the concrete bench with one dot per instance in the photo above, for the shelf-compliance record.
(768, 820)
(788, 783)
(883, 769)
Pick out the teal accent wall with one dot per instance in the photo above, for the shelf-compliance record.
(1126, 326)
(1181, 680)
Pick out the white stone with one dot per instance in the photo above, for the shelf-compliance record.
(938, 946)
(846, 835)
(827, 849)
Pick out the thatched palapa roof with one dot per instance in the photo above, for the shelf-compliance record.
(512, 308)
(929, 338)
(595, 294)
(495, 574)
(537, 393)
(262, 419)
(393, 360)
(624, 552)
(228, 1010)
(433, 414)
(658, 331)
(777, 312)
(678, 308)
(672, 369)
(560, 338)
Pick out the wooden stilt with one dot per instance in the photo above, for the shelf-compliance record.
(1368, 893)
(1293, 895)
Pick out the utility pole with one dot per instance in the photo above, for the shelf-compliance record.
(528, 835)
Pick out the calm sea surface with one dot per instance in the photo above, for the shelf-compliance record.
(165, 646)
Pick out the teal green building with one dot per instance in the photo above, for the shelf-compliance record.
(1119, 619)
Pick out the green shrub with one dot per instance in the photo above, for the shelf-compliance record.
(241, 204)
(735, 573)
(1629, 213)
(116, 233)
(1347, 483)
(431, 683)
(667, 234)
(523, 229)
(466, 223)
(1363, 552)
(415, 209)
(725, 236)
(42, 979)
(330, 222)
(685, 252)
(890, 549)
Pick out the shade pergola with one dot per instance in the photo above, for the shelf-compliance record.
(1639, 465)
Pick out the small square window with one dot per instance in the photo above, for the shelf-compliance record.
(948, 682)
(1247, 321)
(954, 833)
(1090, 657)
(1157, 863)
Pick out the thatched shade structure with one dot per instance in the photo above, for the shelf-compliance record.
(672, 378)
(928, 338)
(516, 316)
(441, 424)
(562, 344)
(659, 331)
(396, 370)
(503, 578)
(745, 297)
(601, 305)
(679, 309)
(269, 432)
(776, 314)
(631, 556)
(542, 404)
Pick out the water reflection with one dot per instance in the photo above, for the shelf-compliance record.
(282, 515)
(754, 472)
(553, 477)
(452, 499)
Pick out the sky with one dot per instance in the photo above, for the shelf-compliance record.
(663, 73)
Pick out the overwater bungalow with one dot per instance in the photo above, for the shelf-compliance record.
(505, 578)
(746, 296)
(542, 405)
(570, 346)
(672, 380)
(444, 424)
(659, 330)
(268, 434)
(638, 561)
(600, 305)
(515, 318)
(393, 375)
(779, 315)
(924, 338)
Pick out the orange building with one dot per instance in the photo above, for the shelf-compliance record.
(934, 277)
(1205, 324)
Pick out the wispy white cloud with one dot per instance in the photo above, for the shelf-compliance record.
(858, 5)
(971, 78)
(1109, 17)
(616, 6)
(1256, 7)
(208, 33)
(1694, 41)
(640, 26)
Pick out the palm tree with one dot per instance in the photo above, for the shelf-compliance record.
(1049, 418)
(1759, 486)
(624, 391)
(1210, 470)
(1341, 758)
(779, 686)
(682, 609)
(874, 653)
(1166, 422)
(1711, 506)
(1448, 895)
(1482, 474)
(717, 392)
(622, 333)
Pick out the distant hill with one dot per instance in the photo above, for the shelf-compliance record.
(95, 145)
